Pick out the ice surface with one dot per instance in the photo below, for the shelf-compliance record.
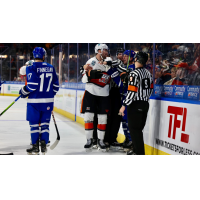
(15, 132)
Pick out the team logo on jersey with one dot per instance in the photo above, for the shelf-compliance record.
(48, 108)
(93, 63)
(88, 108)
(29, 76)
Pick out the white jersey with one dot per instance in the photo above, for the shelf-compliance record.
(22, 70)
(97, 87)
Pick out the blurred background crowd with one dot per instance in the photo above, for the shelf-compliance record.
(172, 63)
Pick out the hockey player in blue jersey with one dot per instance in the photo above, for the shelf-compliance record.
(119, 74)
(42, 85)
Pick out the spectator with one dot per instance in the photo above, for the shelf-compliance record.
(158, 75)
(173, 76)
(181, 74)
(166, 76)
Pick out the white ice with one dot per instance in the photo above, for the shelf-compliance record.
(15, 132)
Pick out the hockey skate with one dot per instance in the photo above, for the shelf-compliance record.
(94, 143)
(43, 147)
(107, 146)
(130, 152)
(34, 150)
(101, 146)
(127, 145)
(48, 144)
(116, 146)
(89, 145)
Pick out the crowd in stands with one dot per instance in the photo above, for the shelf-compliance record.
(175, 63)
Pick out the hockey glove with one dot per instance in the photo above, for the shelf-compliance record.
(124, 78)
(94, 74)
(109, 63)
(24, 92)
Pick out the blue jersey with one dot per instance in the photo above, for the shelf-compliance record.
(115, 75)
(42, 83)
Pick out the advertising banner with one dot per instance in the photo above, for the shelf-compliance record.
(175, 127)
(12, 87)
(177, 91)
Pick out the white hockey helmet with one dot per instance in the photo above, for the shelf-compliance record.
(100, 47)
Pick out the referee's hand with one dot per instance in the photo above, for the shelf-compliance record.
(121, 111)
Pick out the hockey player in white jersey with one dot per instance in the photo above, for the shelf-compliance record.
(42, 85)
(96, 97)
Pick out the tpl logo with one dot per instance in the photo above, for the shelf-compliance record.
(174, 112)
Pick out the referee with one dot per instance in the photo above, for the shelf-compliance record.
(140, 88)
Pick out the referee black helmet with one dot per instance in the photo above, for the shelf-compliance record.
(142, 57)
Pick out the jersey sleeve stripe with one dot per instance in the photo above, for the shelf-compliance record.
(115, 74)
(30, 83)
(31, 88)
(55, 85)
(132, 88)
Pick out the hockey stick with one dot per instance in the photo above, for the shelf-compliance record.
(10, 105)
(6, 154)
(58, 135)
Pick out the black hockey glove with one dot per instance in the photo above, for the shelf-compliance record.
(124, 76)
(94, 74)
(109, 63)
(24, 92)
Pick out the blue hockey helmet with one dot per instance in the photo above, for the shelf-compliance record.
(39, 52)
(133, 54)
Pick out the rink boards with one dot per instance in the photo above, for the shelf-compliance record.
(172, 127)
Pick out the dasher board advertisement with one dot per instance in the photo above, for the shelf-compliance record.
(175, 127)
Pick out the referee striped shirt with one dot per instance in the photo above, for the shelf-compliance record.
(119, 65)
(140, 86)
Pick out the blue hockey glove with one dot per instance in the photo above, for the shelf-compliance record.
(24, 92)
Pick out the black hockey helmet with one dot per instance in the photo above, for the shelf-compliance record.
(142, 57)
(119, 50)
